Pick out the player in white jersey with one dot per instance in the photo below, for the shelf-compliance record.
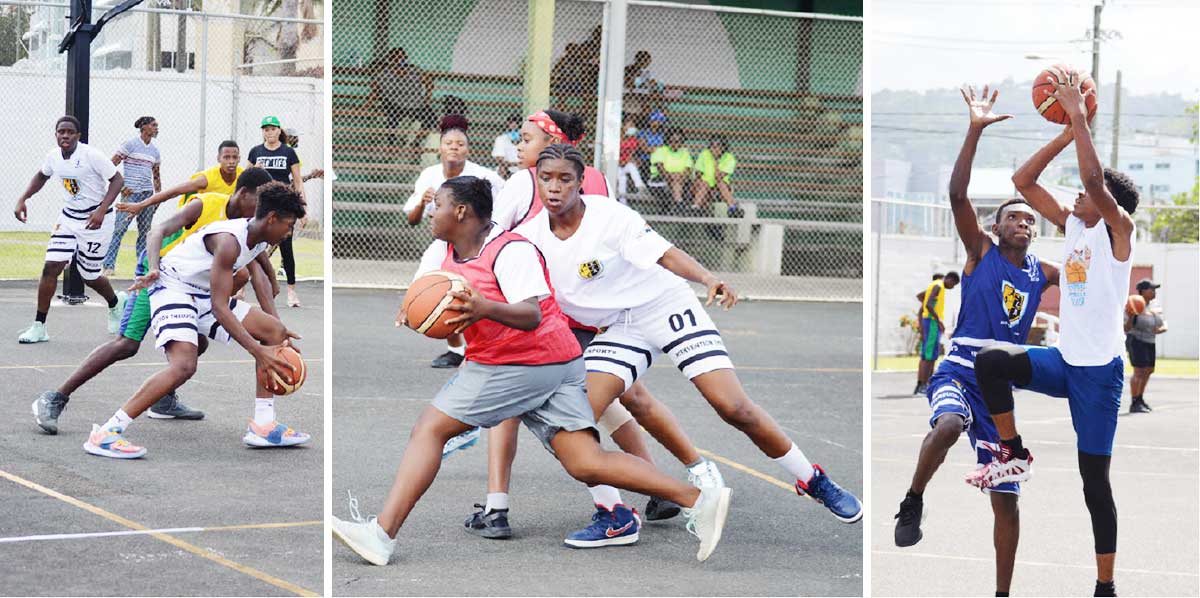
(610, 270)
(1086, 367)
(190, 294)
(85, 226)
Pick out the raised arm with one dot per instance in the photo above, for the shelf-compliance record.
(1091, 173)
(195, 185)
(980, 112)
(154, 240)
(1025, 179)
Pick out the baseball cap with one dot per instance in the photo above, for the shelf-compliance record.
(271, 121)
(657, 116)
(1146, 283)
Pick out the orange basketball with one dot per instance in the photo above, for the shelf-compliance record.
(1135, 305)
(1047, 105)
(426, 305)
(285, 385)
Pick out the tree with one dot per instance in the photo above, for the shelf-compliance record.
(14, 21)
(1182, 225)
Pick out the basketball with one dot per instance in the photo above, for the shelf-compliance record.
(1135, 305)
(285, 385)
(1047, 105)
(426, 306)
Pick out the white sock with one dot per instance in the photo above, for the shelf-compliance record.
(796, 464)
(264, 411)
(605, 496)
(461, 350)
(496, 501)
(120, 420)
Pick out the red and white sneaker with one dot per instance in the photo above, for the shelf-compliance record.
(1004, 468)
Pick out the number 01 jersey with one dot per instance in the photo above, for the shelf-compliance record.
(999, 302)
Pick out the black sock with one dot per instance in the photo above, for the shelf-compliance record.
(916, 495)
(1106, 588)
(41, 317)
(1015, 448)
(999, 593)
(112, 302)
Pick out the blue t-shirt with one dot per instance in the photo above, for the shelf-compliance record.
(999, 302)
(139, 159)
(652, 140)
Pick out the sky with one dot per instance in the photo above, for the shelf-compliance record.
(930, 44)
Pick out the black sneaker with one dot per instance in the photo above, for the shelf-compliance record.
(47, 408)
(169, 407)
(448, 360)
(908, 521)
(658, 509)
(1139, 407)
(492, 524)
(921, 388)
(1105, 589)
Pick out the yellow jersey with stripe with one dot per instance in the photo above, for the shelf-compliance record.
(215, 205)
(939, 303)
(216, 183)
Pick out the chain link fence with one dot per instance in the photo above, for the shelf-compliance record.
(912, 240)
(205, 75)
(781, 91)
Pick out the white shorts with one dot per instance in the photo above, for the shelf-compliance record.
(179, 316)
(675, 324)
(72, 239)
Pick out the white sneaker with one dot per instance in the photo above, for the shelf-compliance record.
(365, 538)
(116, 312)
(706, 475)
(707, 519)
(36, 333)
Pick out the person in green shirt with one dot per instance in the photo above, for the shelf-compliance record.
(713, 168)
(674, 162)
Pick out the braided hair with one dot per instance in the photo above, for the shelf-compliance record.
(563, 151)
(473, 191)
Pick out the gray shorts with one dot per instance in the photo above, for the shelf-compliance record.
(547, 398)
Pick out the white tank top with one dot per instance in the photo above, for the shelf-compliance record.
(188, 267)
(1094, 287)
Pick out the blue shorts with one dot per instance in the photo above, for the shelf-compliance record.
(1092, 392)
(952, 390)
(931, 338)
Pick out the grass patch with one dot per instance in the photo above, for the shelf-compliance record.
(25, 252)
(1164, 367)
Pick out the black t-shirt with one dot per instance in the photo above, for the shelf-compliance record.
(278, 162)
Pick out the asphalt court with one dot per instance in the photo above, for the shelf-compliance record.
(239, 521)
(1155, 484)
(801, 361)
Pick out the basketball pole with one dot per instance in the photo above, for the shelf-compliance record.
(77, 43)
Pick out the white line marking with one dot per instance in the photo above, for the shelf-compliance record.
(1029, 563)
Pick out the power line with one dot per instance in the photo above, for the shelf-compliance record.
(1008, 51)
(980, 41)
(1180, 151)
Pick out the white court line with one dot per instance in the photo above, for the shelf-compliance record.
(143, 532)
(990, 560)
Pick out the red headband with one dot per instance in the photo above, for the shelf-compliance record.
(545, 123)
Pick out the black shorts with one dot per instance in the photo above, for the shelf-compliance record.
(1141, 354)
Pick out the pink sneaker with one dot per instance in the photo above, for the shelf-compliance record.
(1001, 470)
(110, 443)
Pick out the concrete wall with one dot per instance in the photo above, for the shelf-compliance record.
(906, 264)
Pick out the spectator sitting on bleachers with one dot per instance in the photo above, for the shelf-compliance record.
(649, 139)
(453, 152)
(403, 91)
(504, 150)
(713, 169)
(641, 88)
(673, 162)
(628, 162)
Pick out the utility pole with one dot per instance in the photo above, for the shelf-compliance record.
(1116, 122)
(1096, 44)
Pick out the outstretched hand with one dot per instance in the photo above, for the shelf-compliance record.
(1072, 97)
(981, 108)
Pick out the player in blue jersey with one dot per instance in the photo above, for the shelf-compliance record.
(1001, 288)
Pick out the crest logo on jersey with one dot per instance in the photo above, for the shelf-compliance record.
(71, 185)
(590, 269)
(1014, 303)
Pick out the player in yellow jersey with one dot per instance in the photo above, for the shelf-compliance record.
(217, 179)
(933, 306)
(204, 209)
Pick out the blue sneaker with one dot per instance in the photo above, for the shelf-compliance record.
(820, 488)
(618, 527)
(465, 440)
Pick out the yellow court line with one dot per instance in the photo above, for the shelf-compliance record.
(135, 364)
(742, 468)
(196, 550)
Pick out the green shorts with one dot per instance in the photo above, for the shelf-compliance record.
(136, 319)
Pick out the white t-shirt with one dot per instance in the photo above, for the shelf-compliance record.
(1094, 289)
(432, 178)
(85, 175)
(503, 148)
(188, 266)
(517, 268)
(610, 264)
(513, 202)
